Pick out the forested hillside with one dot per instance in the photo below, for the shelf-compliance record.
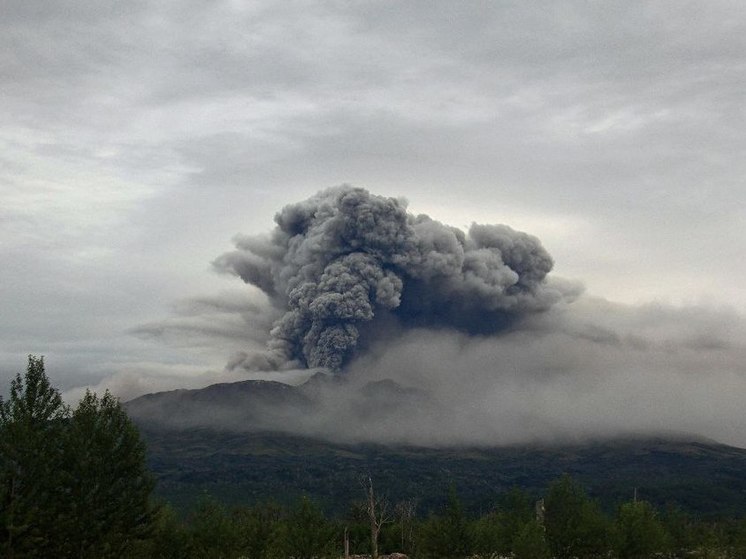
(701, 477)
(74, 483)
(255, 456)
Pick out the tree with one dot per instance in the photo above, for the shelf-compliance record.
(32, 423)
(405, 513)
(456, 527)
(306, 534)
(447, 535)
(497, 531)
(377, 508)
(256, 527)
(530, 543)
(487, 535)
(169, 540)
(640, 533)
(212, 534)
(106, 479)
(72, 485)
(575, 526)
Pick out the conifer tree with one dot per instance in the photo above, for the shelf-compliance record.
(640, 533)
(32, 434)
(106, 476)
(530, 543)
(575, 526)
(71, 485)
(447, 536)
(306, 533)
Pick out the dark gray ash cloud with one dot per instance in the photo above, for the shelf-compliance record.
(345, 257)
(137, 138)
(582, 370)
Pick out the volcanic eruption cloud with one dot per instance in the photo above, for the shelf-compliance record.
(344, 259)
(450, 337)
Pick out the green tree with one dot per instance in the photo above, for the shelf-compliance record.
(357, 524)
(530, 543)
(680, 528)
(486, 535)
(169, 538)
(737, 538)
(32, 429)
(575, 526)
(447, 535)
(256, 527)
(512, 529)
(106, 478)
(71, 485)
(212, 532)
(497, 531)
(640, 534)
(305, 534)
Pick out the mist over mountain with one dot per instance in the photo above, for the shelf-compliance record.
(256, 440)
(475, 339)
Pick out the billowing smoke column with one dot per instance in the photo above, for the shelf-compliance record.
(340, 259)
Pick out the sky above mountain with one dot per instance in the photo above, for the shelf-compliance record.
(139, 138)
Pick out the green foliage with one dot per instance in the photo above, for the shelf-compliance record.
(487, 535)
(74, 484)
(640, 533)
(689, 536)
(357, 523)
(511, 529)
(497, 531)
(31, 459)
(302, 531)
(575, 526)
(736, 537)
(530, 542)
(169, 538)
(446, 535)
(248, 468)
(257, 528)
(306, 534)
(212, 533)
(33, 401)
(106, 479)
(71, 484)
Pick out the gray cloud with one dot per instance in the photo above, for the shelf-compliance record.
(208, 321)
(581, 370)
(337, 260)
(137, 138)
(483, 346)
(588, 369)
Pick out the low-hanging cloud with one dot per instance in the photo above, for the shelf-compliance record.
(589, 369)
(446, 337)
(338, 261)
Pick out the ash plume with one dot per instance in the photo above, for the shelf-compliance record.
(342, 260)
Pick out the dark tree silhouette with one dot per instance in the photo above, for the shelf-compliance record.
(71, 484)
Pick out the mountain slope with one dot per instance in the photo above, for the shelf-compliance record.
(253, 460)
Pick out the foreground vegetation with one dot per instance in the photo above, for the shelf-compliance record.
(704, 478)
(74, 483)
(573, 526)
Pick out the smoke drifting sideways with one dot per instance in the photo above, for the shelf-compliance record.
(345, 261)
(587, 369)
(444, 337)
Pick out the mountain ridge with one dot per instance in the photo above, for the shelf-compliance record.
(258, 462)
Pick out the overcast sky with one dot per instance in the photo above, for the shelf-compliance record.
(137, 138)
